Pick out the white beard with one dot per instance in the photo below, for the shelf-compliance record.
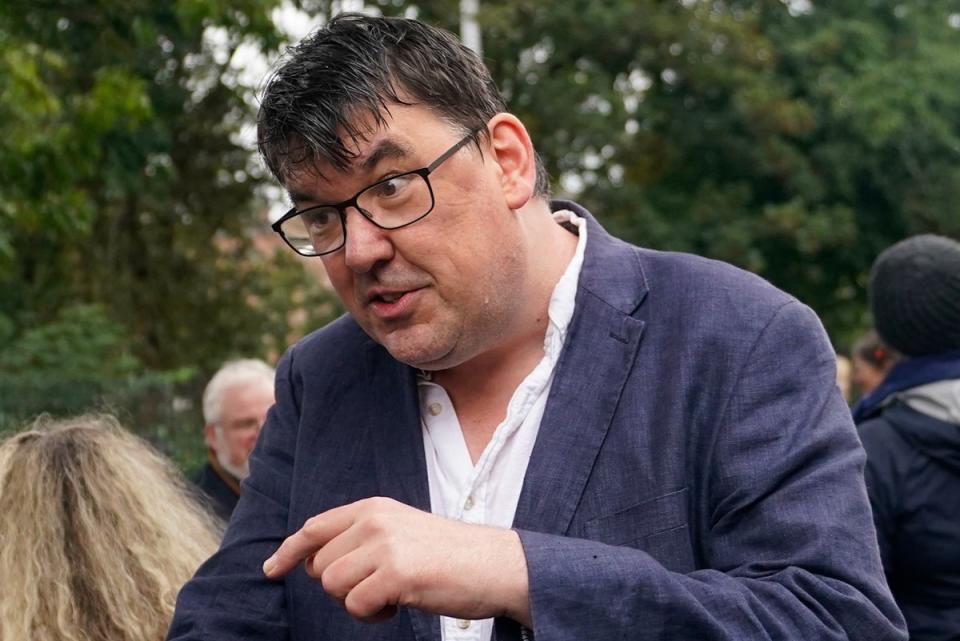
(239, 472)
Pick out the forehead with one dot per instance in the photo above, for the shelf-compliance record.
(403, 134)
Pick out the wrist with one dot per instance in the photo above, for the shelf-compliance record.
(514, 586)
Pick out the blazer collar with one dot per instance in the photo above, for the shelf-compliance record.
(611, 268)
(598, 355)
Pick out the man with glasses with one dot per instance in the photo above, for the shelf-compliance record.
(524, 427)
(235, 405)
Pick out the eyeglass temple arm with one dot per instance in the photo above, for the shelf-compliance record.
(439, 161)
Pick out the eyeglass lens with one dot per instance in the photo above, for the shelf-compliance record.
(391, 203)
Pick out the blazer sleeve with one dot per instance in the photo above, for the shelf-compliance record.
(229, 598)
(782, 524)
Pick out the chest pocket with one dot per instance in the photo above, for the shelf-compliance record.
(658, 526)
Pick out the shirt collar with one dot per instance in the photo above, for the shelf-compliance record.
(562, 301)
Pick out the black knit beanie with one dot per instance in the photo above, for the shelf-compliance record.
(915, 295)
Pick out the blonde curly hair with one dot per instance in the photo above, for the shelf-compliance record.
(98, 533)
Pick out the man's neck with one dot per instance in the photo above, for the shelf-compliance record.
(480, 390)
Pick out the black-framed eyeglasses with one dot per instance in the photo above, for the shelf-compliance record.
(390, 203)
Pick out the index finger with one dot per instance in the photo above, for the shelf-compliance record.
(315, 533)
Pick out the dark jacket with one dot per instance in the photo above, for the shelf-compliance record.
(220, 490)
(696, 475)
(913, 478)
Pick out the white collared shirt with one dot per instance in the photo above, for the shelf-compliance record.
(487, 493)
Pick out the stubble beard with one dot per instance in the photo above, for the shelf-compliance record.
(478, 325)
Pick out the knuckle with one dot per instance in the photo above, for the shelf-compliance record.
(380, 522)
(311, 525)
(375, 525)
(309, 566)
(364, 602)
(334, 582)
(379, 503)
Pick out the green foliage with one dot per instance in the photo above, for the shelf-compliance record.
(79, 362)
(796, 145)
(81, 343)
(132, 252)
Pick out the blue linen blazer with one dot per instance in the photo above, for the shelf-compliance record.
(696, 476)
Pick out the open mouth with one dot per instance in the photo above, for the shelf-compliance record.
(389, 298)
(392, 304)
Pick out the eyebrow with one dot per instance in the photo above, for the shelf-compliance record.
(383, 150)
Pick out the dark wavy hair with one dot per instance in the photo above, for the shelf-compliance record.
(356, 66)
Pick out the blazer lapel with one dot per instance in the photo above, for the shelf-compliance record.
(601, 345)
(398, 450)
(394, 424)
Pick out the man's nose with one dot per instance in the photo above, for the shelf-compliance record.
(366, 244)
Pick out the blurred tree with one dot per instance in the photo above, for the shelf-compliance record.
(880, 78)
(129, 201)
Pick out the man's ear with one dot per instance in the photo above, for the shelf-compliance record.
(210, 436)
(512, 150)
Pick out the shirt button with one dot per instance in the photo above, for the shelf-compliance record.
(468, 503)
(463, 624)
(434, 409)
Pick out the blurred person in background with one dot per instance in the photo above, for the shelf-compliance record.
(872, 360)
(910, 427)
(844, 373)
(97, 534)
(235, 405)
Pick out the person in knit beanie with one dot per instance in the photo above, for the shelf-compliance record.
(915, 295)
(910, 429)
